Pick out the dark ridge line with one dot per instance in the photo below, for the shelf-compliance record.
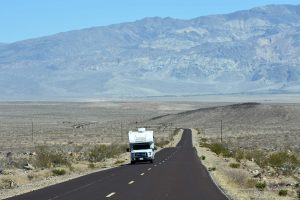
(234, 106)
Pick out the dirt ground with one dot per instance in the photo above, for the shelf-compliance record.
(24, 125)
(74, 127)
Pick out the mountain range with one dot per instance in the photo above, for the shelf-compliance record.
(254, 51)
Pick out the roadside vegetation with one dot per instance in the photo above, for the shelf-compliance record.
(46, 158)
(101, 152)
(163, 141)
(249, 170)
(55, 162)
(47, 161)
(283, 162)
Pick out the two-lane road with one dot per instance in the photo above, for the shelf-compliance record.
(177, 173)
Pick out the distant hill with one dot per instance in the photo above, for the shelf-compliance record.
(253, 51)
(268, 126)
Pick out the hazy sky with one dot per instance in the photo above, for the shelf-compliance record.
(23, 19)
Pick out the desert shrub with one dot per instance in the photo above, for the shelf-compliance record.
(119, 162)
(212, 169)
(204, 144)
(176, 131)
(282, 192)
(298, 193)
(260, 185)
(5, 183)
(234, 165)
(219, 148)
(92, 165)
(238, 155)
(58, 172)
(20, 162)
(283, 159)
(101, 152)
(258, 156)
(161, 142)
(250, 183)
(279, 160)
(238, 177)
(8, 183)
(202, 157)
(203, 140)
(46, 158)
(30, 177)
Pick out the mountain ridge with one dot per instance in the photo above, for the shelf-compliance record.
(251, 51)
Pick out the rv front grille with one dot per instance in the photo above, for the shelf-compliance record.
(140, 155)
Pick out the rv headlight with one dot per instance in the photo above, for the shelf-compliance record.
(149, 153)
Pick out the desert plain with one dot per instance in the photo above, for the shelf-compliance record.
(75, 127)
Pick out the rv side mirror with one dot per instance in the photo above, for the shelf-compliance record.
(127, 149)
(155, 148)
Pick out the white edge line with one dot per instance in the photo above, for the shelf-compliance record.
(111, 194)
(218, 186)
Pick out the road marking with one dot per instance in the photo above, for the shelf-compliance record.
(159, 163)
(149, 169)
(163, 161)
(142, 174)
(130, 182)
(111, 194)
(155, 165)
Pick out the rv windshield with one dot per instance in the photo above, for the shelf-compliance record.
(141, 146)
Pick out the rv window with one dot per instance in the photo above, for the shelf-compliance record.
(141, 146)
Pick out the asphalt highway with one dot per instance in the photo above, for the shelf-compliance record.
(176, 174)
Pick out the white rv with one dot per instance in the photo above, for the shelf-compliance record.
(141, 145)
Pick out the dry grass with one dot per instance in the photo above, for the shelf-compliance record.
(239, 184)
(238, 177)
(13, 180)
(100, 152)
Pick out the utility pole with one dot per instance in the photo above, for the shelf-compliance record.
(32, 133)
(221, 131)
(121, 132)
(111, 132)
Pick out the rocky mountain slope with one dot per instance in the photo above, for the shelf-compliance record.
(252, 51)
